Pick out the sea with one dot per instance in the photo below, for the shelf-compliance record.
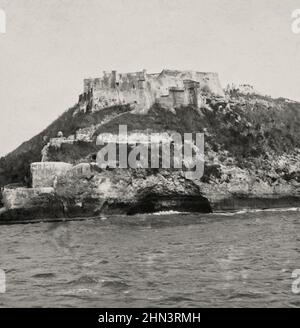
(167, 259)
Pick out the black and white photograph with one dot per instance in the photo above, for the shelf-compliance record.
(149, 156)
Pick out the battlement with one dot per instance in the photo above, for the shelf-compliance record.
(170, 88)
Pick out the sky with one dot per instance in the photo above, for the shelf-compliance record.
(50, 46)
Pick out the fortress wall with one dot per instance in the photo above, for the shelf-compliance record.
(145, 89)
(87, 84)
(111, 80)
(129, 81)
(174, 99)
(24, 197)
(210, 81)
(179, 97)
(164, 82)
(143, 98)
(44, 173)
(97, 84)
(106, 97)
(110, 97)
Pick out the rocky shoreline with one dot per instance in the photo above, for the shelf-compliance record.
(55, 212)
(64, 192)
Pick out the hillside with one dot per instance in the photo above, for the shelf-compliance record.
(254, 127)
(252, 152)
(15, 167)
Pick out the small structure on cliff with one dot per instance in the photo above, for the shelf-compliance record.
(243, 89)
(44, 173)
(170, 88)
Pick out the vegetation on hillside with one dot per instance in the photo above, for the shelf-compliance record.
(246, 127)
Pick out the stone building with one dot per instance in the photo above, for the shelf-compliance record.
(170, 88)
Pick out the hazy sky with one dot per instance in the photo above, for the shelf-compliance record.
(51, 45)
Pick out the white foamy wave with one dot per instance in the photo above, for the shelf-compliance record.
(167, 213)
(230, 213)
(285, 209)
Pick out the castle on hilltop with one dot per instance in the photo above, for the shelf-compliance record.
(170, 89)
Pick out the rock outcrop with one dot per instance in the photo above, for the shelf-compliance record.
(18, 198)
(84, 190)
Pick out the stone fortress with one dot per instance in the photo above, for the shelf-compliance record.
(170, 89)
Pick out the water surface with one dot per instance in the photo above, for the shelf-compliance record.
(196, 260)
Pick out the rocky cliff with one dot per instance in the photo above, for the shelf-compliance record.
(252, 153)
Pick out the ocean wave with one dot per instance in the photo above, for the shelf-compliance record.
(245, 211)
(230, 213)
(167, 213)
